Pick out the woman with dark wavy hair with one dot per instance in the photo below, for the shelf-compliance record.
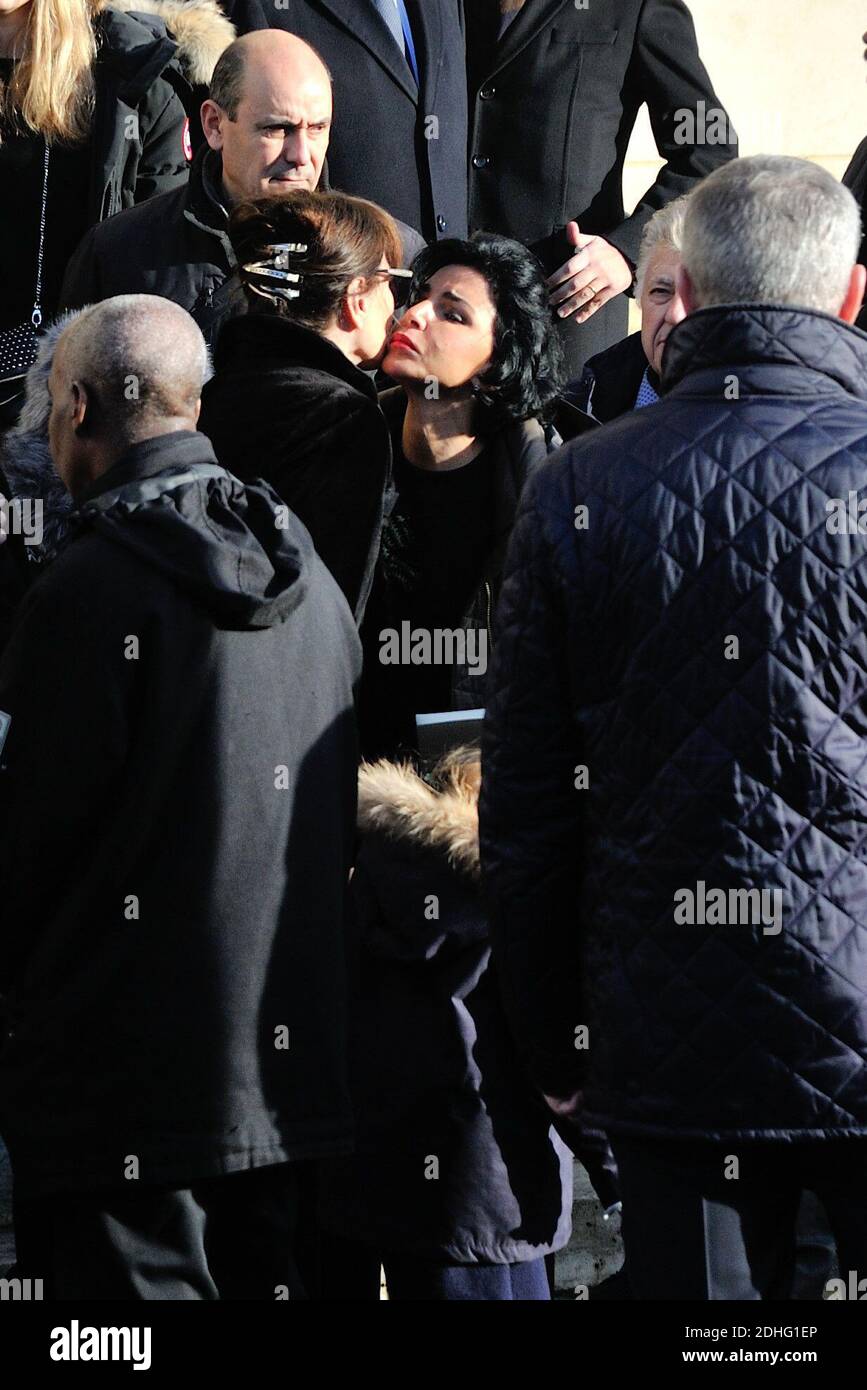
(459, 1186)
(479, 368)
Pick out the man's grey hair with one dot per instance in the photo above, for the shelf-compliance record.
(142, 359)
(665, 228)
(768, 229)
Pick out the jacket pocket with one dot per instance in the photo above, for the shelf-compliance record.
(584, 36)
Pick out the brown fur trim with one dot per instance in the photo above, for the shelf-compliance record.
(199, 27)
(393, 800)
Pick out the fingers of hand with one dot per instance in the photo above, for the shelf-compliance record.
(596, 303)
(573, 266)
(574, 293)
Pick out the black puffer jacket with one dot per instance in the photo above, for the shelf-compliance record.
(455, 1155)
(145, 79)
(711, 765)
(175, 894)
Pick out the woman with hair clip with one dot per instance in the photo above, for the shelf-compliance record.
(291, 400)
(91, 121)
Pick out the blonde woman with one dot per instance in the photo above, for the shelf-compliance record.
(92, 120)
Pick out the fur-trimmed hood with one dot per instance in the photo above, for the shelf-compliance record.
(25, 457)
(393, 800)
(199, 28)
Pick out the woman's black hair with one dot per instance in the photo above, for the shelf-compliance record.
(527, 367)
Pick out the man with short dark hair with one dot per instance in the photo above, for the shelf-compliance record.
(177, 803)
(673, 797)
(267, 124)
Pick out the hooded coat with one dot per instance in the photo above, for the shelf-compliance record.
(155, 58)
(177, 806)
(434, 1073)
(674, 804)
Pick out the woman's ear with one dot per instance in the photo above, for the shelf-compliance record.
(353, 306)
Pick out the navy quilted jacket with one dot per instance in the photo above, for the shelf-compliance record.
(674, 804)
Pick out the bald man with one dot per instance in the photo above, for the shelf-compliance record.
(267, 123)
(176, 818)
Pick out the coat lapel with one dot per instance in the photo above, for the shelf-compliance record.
(362, 21)
(533, 17)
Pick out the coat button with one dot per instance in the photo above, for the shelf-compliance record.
(441, 223)
(480, 161)
(487, 92)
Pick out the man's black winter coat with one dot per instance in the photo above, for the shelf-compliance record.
(552, 109)
(402, 146)
(176, 246)
(679, 708)
(177, 806)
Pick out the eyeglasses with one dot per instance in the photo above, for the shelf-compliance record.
(400, 283)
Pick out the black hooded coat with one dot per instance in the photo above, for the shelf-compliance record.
(177, 802)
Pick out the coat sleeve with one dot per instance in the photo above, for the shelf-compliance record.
(530, 812)
(668, 74)
(163, 164)
(81, 280)
(64, 683)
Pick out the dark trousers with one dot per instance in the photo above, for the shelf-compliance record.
(692, 1232)
(243, 1236)
(351, 1274)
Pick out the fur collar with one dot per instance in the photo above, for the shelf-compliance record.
(199, 28)
(25, 458)
(394, 801)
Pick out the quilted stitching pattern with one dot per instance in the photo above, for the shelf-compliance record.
(707, 519)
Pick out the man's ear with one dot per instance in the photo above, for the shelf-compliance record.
(851, 306)
(212, 117)
(81, 407)
(685, 289)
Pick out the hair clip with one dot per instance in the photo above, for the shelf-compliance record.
(267, 271)
(280, 251)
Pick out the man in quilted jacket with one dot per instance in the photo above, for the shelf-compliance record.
(674, 802)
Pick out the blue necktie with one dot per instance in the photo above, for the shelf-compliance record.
(394, 14)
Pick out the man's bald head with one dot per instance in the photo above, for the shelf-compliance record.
(268, 114)
(263, 48)
(126, 370)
